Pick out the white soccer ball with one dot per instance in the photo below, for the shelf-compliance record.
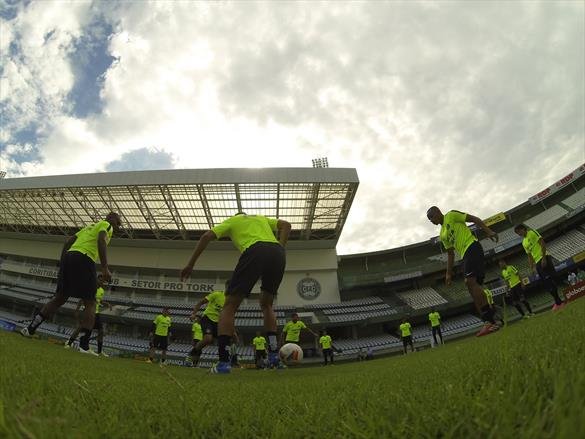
(291, 353)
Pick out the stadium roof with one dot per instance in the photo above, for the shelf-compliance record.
(180, 204)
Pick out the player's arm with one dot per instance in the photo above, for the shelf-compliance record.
(70, 241)
(201, 245)
(283, 228)
(450, 261)
(236, 337)
(531, 263)
(198, 306)
(311, 331)
(478, 222)
(152, 330)
(102, 245)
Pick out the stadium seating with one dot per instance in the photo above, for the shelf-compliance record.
(567, 245)
(544, 218)
(422, 298)
(576, 200)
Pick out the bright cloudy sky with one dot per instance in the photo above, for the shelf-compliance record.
(467, 105)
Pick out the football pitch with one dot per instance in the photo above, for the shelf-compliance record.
(525, 381)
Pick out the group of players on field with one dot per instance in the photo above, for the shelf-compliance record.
(261, 242)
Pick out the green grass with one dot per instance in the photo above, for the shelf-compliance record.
(526, 381)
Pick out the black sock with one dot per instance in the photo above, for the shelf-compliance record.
(272, 341)
(100, 346)
(527, 305)
(84, 340)
(35, 323)
(487, 314)
(519, 308)
(71, 339)
(555, 295)
(223, 344)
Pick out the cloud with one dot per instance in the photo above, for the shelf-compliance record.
(468, 106)
(141, 160)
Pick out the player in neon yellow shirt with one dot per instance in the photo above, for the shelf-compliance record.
(406, 334)
(160, 334)
(511, 276)
(261, 241)
(77, 275)
(292, 330)
(435, 319)
(197, 336)
(540, 262)
(259, 343)
(326, 347)
(98, 325)
(456, 237)
(214, 302)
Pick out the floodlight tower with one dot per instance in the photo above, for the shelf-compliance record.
(320, 162)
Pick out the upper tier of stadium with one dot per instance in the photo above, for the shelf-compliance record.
(181, 204)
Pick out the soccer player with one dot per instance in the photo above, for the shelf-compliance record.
(259, 343)
(215, 302)
(77, 275)
(435, 319)
(325, 343)
(515, 288)
(160, 340)
(489, 297)
(293, 330)
(263, 257)
(539, 261)
(405, 332)
(197, 332)
(456, 236)
(99, 295)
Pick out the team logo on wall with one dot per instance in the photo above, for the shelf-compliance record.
(308, 288)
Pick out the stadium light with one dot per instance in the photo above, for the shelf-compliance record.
(320, 162)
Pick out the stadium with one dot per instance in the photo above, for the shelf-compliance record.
(360, 299)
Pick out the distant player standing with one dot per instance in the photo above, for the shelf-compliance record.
(539, 261)
(160, 333)
(326, 346)
(77, 275)
(293, 330)
(197, 336)
(406, 334)
(435, 319)
(511, 276)
(99, 296)
(259, 343)
(456, 236)
(263, 257)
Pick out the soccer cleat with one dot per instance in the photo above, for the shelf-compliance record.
(223, 367)
(487, 329)
(526, 316)
(557, 307)
(273, 360)
(24, 332)
(103, 354)
(67, 346)
(149, 361)
(162, 365)
(88, 352)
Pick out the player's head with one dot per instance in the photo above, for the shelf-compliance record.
(324, 332)
(502, 263)
(521, 230)
(240, 213)
(295, 317)
(196, 319)
(165, 311)
(114, 219)
(403, 319)
(434, 215)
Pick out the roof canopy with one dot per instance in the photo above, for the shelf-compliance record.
(180, 204)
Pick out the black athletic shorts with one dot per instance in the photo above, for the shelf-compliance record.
(516, 293)
(436, 329)
(77, 276)
(327, 352)
(548, 271)
(262, 260)
(160, 342)
(98, 323)
(407, 340)
(473, 263)
(260, 353)
(208, 327)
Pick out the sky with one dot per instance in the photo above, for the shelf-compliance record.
(473, 106)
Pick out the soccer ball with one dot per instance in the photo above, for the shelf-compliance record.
(291, 353)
